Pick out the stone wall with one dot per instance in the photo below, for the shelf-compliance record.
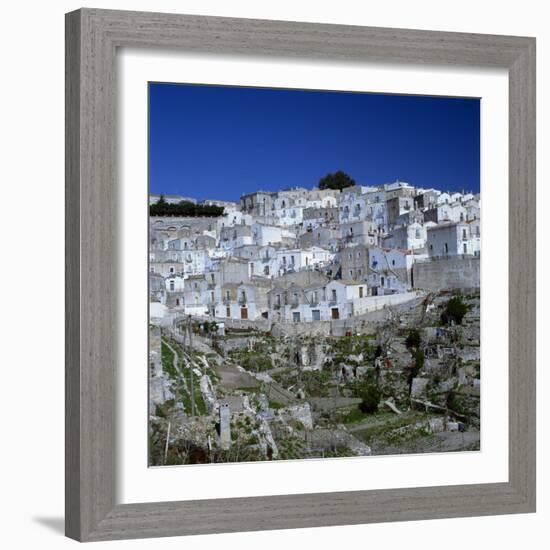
(447, 274)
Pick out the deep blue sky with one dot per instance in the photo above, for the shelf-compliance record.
(221, 142)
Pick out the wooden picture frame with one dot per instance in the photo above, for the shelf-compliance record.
(92, 39)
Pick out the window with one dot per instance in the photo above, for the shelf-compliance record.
(351, 273)
(291, 260)
(360, 292)
(381, 281)
(446, 248)
(252, 269)
(465, 248)
(228, 311)
(316, 314)
(227, 295)
(172, 269)
(172, 285)
(334, 295)
(464, 234)
(393, 262)
(296, 316)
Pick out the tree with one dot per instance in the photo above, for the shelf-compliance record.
(414, 370)
(455, 311)
(413, 339)
(184, 208)
(370, 397)
(338, 180)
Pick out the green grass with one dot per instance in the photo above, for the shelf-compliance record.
(179, 386)
(291, 448)
(251, 360)
(167, 358)
(354, 416)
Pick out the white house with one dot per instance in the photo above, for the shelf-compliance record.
(407, 237)
(340, 295)
(449, 239)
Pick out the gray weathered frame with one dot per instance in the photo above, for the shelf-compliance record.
(92, 38)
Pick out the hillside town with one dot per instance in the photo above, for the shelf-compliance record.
(321, 322)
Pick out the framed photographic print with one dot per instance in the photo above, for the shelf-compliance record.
(287, 303)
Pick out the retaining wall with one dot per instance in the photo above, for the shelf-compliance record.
(447, 274)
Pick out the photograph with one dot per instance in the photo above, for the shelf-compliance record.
(314, 279)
